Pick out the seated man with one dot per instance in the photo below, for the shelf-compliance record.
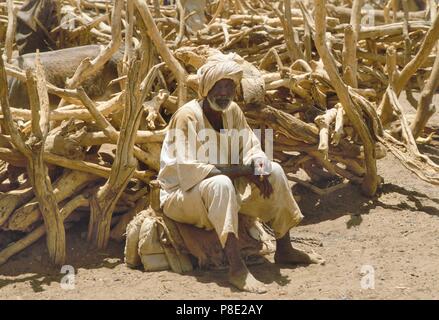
(204, 185)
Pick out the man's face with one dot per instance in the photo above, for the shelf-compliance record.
(221, 94)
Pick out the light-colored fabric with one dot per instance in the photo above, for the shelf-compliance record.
(280, 210)
(150, 248)
(177, 170)
(219, 66)
(183, 171)
(149, 238)
(132, 258)
(214, 203)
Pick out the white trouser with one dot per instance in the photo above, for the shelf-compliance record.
(214, 203)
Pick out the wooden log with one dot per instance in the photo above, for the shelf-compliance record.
(152, 109)
(142, 137)
(350, 58)
(81, 165)
(111, 106)
(427, 45)
(323, 122)
(11, 200)
(345, 14)
(6, 110)
(369, 112)
(128, 53)
(390, 29)
(399, 58)
(238, 19)
(110, 131)
(407, 51)
(294, 127)
(40, 231)
(69, 184)
(334, 169)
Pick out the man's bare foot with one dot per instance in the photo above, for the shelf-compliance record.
(239, 275)
(245, 281)
(296, 256)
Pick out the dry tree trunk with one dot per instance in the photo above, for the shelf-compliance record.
(425, 108)
(351, 42)
(38, 172)
(172, 63)
(104, 201)
(289, 34)
(218, 12)
(128, 54)
(34, 150)
(269, 36)
(157, 8)
(411, 158)
(427, 45)
(407, 51)
(371, 179)
(182, 25)
(89, 67)
(349, 57)
(10, 31)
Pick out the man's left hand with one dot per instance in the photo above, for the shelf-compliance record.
(263, 184)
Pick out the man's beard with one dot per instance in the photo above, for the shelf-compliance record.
(219, 104)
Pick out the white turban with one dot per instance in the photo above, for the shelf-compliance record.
(217, 67)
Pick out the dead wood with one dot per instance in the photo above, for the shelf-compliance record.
(104, 201)
(315, 80)
(370, 183)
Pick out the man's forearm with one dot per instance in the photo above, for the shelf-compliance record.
(232, 171)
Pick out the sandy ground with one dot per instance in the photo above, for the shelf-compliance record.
(393, 237)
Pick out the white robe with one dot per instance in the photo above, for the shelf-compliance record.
(213, 203)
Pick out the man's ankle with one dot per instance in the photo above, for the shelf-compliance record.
(237, 267)
(284, 243)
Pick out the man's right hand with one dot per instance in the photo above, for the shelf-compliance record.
(232, 171)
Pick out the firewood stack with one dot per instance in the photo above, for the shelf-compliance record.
(324, 75)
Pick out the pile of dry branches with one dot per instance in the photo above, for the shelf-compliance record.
(323, 80)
